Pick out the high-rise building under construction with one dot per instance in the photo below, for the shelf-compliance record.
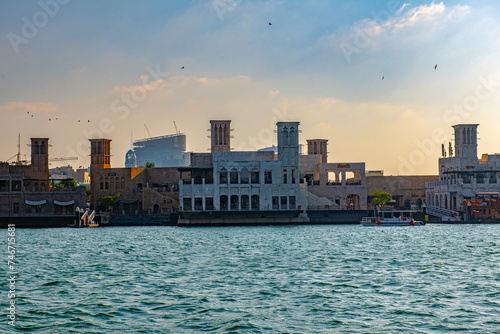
(163, 151)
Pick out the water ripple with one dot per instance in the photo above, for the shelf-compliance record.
(286, 279)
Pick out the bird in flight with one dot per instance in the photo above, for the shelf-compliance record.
(182, 67)
(88, 121)
(382, 78)
(435, 66)
(270, 24)
(78, 121)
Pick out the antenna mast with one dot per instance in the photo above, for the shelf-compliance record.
(18, 147)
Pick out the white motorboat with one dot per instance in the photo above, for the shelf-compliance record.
(392, 218)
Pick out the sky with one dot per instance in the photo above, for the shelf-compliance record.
(361, 74)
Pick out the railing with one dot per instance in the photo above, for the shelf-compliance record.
(441, 212)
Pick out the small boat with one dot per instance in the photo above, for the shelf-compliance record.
(392, 218)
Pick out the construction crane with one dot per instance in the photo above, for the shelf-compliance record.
(176, 131)
(18, 154)
(147, 130)
(63, 159)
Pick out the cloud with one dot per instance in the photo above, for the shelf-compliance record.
(273, 93)
(369, 32)
(35, 107)
(147, 86)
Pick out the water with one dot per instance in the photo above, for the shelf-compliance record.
(267, 279)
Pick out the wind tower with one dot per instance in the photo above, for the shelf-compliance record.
(39, 168)
(220, 134)
(318, 146)
(466, 143)
(100, 157)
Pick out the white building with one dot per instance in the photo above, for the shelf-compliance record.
(463, 175)
(246, 181)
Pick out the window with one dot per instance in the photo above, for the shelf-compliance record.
(4, 186)
(255, 202)
(198, 203)
(276, 203)
(244, 202)
(233, 176)
(223, 176)
(284, 176)
(293, 176)
(223, 203)
(291, 201)
(244, 176)
(284, 201)
(268, 177)
(187, 204)
(16, 185)
(255, 177)
(234, 203)
(15, 207)
(209, 203)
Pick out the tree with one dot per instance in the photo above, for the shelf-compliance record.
(380, 197)
(87, 193)
(150, 164)
(110, 201)
(66, 183)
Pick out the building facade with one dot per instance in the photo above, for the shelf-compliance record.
(25, 190)
(163, 151)
(462, 175)
(407, 191)
(139, 190)
(246, 181)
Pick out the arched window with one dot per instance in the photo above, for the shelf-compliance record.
(233, 176)
(123, 183)
(234, 203)
(244, 202)
(101, 183)
(223, 176)
(223, 203)
(255, 202)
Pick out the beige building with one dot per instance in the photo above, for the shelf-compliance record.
(142, 190)
(332, 186)
(81, 175)
(26, 194)
(407, 191)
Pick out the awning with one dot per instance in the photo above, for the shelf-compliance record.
(35, 202)
(64, 203)
(128, 201)
(468, 193)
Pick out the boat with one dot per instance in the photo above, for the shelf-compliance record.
(392, 218)
(484, 208)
